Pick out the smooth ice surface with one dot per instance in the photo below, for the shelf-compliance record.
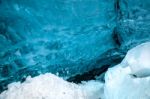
(49, 86)
(131, 78)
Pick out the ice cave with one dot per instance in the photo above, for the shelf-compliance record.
(74, 49)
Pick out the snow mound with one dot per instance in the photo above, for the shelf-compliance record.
(138, 60)
(49, 86)
(131, 78)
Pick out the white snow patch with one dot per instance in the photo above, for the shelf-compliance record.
(120, 82)
(49, 86)
(138, 60)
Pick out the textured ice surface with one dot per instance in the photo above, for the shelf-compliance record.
(131, 78)
(67, 37)
(49, 86)
(133, 22)
(58, 36)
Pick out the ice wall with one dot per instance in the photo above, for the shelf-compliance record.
(67, 37)
(133, 22)
(58, 36)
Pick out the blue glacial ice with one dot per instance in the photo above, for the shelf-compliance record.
(61, 37)
(74, 39)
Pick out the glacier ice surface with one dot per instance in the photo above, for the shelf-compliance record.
(68, 37)
(58, 36)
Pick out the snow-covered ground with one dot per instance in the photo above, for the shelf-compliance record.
(49, 86)
(128, 80)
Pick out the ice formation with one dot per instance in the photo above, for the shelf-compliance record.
(73, 38)
(63, 36)
(68, 37)
(128, 80)
(49, 86)
(131, 78)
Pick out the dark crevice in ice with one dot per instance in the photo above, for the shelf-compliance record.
(104, 62)
(117, 9)
(116, 37)
(90, 75)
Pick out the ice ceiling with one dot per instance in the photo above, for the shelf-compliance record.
(68, 37)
